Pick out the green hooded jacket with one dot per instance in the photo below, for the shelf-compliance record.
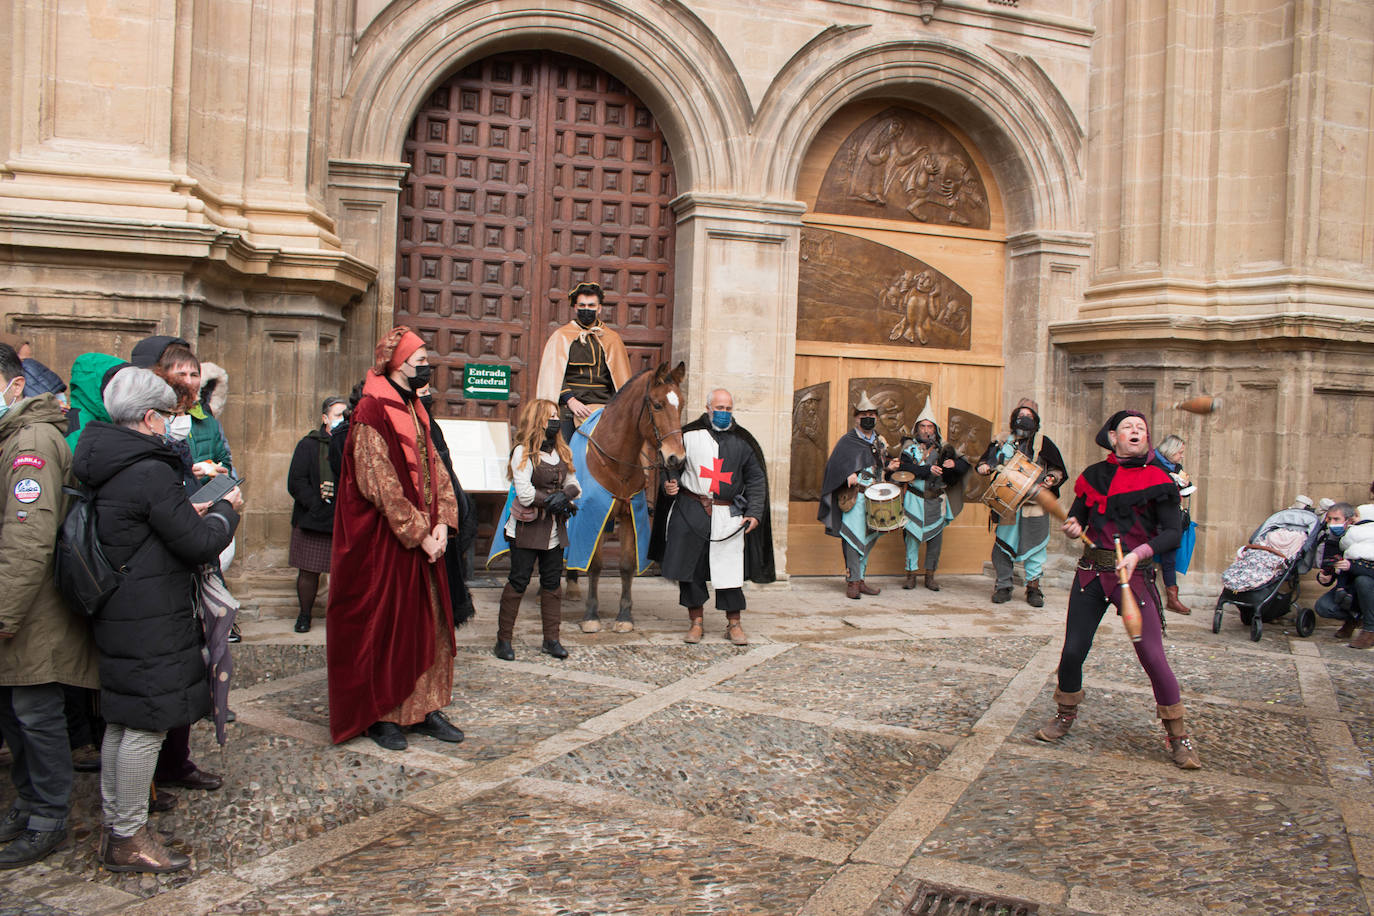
(87, 373)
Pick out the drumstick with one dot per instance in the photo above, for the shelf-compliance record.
(1130, 608)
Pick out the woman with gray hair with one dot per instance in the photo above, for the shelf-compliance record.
(152, 672)
(1169, 456)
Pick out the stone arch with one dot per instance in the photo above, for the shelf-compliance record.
(1003, 101)
(665, 55)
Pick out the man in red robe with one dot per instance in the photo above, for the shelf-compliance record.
(389, 642)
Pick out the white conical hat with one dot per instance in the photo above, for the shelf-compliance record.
(927, 414)
(864, 403)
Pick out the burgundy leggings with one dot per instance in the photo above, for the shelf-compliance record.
(1087, 603)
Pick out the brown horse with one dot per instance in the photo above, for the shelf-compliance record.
(643, 421)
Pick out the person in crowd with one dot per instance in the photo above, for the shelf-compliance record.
(456, 557)
(1124, 496)
(311, 483)
(152, 672)
(1025, 537)
(1339, 603)
(584, 362)
(43, 645)
(1169, 455)
(858, 460)
(939, 469)
(545, 482)
(390, 640)
(1357, 566)
(210, 453)
(90, 374)
(717, 527)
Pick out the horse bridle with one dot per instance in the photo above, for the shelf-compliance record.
(658, 442)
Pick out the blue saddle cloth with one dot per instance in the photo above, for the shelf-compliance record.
(594, 508)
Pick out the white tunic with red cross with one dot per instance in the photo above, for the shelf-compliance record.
(703, 476)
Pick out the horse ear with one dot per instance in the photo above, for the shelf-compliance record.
(679, 373)
(661, 374)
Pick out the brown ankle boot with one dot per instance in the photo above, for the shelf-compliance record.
(510, 609)
(142, 852)
(866, 589)
(1177, 738)
(551, 619)
(1172, 603)
(1059, 726)
(1034, 596)
(696, 631)
(851, 589)
(910, 579)
(735, 632)
(930, 582)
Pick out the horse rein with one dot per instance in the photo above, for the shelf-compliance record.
(658, 443)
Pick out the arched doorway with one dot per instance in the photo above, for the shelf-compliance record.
(531, 172)
(901, 286)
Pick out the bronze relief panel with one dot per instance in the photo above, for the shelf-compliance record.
(852, 290)
(904, 166)
(899, 402)
(810, 440)
(970, 435)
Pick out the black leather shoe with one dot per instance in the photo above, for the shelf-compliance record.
(503, 650)
(302, 624)
(160, 801)
(388, 735)
(439, 728)
(555, 648)
(196, 779)
(12, 824)
(31, 846)
(1001, 596)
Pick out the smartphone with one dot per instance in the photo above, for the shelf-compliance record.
(216, 489)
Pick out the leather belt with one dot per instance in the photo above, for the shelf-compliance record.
(708, 503)
(1100, 559)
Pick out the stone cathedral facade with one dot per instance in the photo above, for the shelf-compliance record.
(1092, 203)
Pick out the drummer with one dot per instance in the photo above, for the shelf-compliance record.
(932, 495)
(858, 461)
(1025, 537)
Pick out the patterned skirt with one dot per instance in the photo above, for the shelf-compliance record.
(309, 550)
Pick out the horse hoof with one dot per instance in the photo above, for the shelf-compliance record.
(591, 626)
(623, 626)
(572, 590)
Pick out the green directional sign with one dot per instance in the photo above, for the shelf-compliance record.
(486, 382)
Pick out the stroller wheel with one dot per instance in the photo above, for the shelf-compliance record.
(1307, 621)
(1216, 621)
(1256, 628)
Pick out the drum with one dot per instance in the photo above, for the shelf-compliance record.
(902, 477)
(1013, 484)
(884, 507)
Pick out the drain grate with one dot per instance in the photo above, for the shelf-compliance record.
(942, 900)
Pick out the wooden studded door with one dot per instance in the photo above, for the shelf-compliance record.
(531, 173)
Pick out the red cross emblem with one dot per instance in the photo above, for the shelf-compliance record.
(715, 474)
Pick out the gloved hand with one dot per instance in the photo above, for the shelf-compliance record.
(558, 504)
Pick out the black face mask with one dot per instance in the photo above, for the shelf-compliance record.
(551, 430)
(868, 424)
(421, 377)
(428, 401)
(1023, 427)
(586, 317)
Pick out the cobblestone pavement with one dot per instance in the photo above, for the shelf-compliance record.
(853, 752)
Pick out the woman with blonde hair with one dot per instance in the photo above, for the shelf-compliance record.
(541, 469)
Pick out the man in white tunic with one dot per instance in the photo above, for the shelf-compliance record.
(717, 518)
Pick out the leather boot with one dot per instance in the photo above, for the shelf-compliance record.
(551, 618)
(910, 579)
(1180, 743)
(1034, 597)
(851, 589)
(1059, 726)
(734, 631)
(930, 582)
(509, 610)
(142, 852)
(696, 631)
(1172, 603)
(866, 589)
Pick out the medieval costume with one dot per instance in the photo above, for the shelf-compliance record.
(460, 541)
(1025, 537)
(724, 482)
(843, 509)
(1135, 500)
(931, 500)
(583, 361)
(390, 637)
(537, 530)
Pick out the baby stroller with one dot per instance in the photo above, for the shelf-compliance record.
(1264, 580)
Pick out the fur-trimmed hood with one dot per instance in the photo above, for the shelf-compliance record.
(214, 387)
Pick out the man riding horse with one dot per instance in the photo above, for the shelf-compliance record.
(584, 362)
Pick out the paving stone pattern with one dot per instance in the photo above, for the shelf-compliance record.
(704, 784)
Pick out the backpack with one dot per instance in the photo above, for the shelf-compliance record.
(83, 575)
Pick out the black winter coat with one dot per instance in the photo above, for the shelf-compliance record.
(152, 672)
(310, 512)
